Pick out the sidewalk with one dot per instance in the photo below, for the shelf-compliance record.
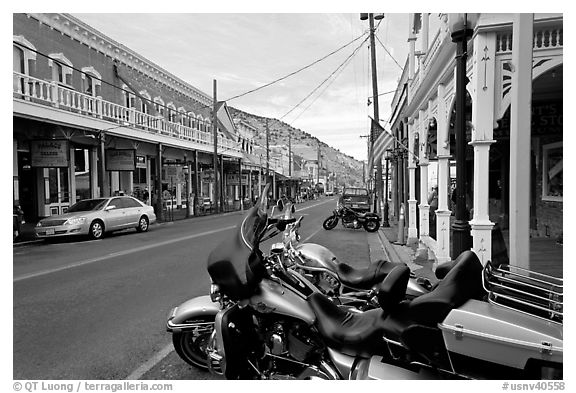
(546, 254)
(418, 262)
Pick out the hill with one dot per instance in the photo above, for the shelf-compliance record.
(348, 170)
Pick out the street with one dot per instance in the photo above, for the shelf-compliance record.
(97, 309)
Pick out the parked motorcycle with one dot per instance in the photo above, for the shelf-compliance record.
(497, 322)
(352, 219)
(339, 280)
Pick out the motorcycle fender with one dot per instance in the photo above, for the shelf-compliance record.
(197, 307)
(375, 368)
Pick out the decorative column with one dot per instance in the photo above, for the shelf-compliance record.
(443, 212)
(15, 178)
(483, 83)
(520, 129)
(412, 230)
(93, 156)
(395, 182)
(72, 177)
(158, 185)
(423, 163)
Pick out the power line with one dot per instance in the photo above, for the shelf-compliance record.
(389, 54)
(348, 60)
(297, 71)
(325, 80)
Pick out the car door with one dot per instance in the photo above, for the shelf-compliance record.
(132, 209)
(114, 215)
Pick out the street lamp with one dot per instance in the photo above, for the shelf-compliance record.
(385, 222)
(460, 29)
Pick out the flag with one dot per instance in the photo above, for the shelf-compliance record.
(382, 140)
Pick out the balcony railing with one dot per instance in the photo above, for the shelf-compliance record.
(549, 37)
(51, 93)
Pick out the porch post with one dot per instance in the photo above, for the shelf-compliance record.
(412, 230)
(443, 212)
(483, 82)
(520, 130)
(423, 163)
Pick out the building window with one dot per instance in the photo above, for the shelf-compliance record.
(23, 54)
(144, 101)
(171, 112)
(159, 106)
(61, 69)
(91, 81)
(552, 172)
(129, 97)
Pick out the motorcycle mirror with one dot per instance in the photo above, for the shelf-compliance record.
(280, 205)
(293, 209)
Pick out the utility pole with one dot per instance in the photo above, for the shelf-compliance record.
(267, 151)
(378, 180)
(318, 171)
(289, 154)
(215, 156)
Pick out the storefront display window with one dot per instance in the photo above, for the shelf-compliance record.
(82, 174)
(552, 174)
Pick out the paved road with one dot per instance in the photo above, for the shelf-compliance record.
(97, 309)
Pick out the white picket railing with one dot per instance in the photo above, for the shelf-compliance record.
(51, 93)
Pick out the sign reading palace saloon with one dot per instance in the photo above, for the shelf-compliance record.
(120, 159)
(50, 153)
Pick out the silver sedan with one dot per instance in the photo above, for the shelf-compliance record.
(94, 217)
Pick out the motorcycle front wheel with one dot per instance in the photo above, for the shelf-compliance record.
(372, 225)
(191, 344)
(330, 223)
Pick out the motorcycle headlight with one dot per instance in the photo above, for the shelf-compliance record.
(215, 295)
(75, 221)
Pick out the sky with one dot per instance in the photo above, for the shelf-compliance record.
(244, 51)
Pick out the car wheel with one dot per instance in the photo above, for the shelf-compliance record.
(96, 230)
(142, 224)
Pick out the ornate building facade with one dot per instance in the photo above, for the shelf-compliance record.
(514, 157)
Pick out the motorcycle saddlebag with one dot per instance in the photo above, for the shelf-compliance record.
(505, 337)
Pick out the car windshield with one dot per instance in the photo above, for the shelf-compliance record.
(356, 191)
(87, 205)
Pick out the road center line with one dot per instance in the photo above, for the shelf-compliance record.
(119, 253)
(160, 355)
(150, 363)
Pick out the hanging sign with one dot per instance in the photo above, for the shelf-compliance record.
(50, 153)
(120, 159)
(232, 179)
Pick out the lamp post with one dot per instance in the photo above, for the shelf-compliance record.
(385, 222)
(460, 31)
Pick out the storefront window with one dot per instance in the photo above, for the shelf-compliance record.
(552, 172)
(82, 174)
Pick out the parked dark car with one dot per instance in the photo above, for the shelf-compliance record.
(356, 199)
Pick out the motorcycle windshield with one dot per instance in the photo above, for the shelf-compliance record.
(236, 265)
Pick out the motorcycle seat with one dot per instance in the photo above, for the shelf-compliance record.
(351, 332)
(463, 282)
(366, 277)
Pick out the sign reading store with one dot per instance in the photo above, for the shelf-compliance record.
(120, 159)
(50, 153)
